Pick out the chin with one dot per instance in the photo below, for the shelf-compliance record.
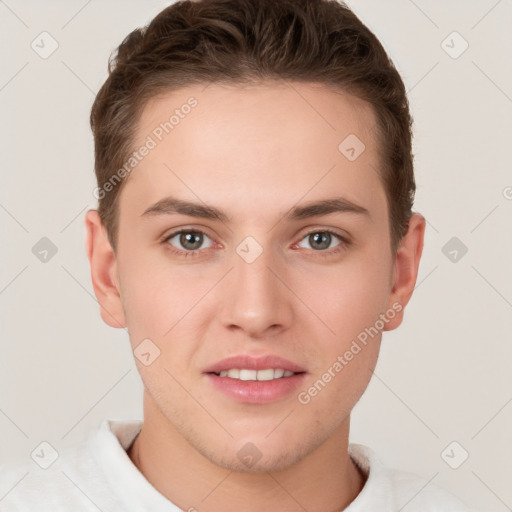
(259, 456)
(272, 464)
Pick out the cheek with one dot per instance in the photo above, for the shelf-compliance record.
(348, 352)
(355, 295)
(349, 297)
(157, 294)
(163, 304)
(332, 393)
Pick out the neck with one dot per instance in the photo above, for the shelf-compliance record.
(325, 480)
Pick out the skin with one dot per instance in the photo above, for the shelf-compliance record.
(254, 153)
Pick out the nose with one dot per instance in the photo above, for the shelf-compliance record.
(256, 298)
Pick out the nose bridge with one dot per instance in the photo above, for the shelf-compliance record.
(257, 299)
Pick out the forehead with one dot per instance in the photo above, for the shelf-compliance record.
(275, 137)
(305, 111)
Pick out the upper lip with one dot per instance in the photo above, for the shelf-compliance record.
(246, 361)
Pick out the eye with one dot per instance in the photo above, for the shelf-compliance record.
(188, 240)
(320, 240)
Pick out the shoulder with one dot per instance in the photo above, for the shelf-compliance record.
(392, 489)
(77, 478)
(421, 494)
(26, 486)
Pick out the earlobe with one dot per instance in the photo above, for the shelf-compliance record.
(103, 264)
(406, 267)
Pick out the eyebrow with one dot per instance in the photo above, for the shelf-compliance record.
(172, 205)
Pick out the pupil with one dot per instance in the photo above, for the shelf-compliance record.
(322, 239)
(187, 240)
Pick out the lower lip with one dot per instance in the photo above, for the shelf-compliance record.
(256, 391)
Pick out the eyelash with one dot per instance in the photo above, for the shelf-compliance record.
(323, 253)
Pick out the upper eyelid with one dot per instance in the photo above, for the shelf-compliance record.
(172, 234)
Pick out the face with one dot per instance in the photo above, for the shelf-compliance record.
(254, 260)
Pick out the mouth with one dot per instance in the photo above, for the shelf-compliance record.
(255, 380)
(247, 374)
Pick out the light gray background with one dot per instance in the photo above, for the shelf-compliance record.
(444, 376)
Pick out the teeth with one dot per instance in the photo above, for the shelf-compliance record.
(248, 375)
(266, 374)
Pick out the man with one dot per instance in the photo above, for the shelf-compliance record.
(255, 236)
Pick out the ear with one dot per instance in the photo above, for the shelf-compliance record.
(405, 272)
(105, 279)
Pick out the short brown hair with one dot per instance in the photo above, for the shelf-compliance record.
(241, 41)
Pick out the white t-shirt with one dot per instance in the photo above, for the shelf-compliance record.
(97, 474)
